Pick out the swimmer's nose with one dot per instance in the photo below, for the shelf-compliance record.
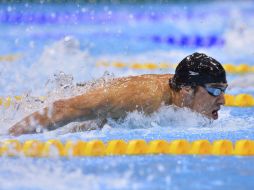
(221, 99)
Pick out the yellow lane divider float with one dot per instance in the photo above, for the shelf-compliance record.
(240, 100)
(9, 58)
(6, 102)
(55, 148)
(230, 68)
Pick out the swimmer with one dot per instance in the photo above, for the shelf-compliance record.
(199, 83)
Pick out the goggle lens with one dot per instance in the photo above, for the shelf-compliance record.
(215, 91)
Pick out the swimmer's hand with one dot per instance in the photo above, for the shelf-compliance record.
(19, 129)
(33, 123)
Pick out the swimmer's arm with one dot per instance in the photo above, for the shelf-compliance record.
(88, 106)
(113, 100)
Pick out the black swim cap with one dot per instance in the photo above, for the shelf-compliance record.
(198, 69)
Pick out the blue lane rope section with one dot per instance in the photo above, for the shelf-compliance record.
(184, 40)
(64, 17)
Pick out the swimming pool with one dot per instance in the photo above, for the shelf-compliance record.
(47, 48)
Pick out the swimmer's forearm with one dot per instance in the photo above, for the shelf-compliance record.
(61, 113)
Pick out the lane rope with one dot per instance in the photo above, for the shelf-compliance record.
(196, 41)
(89, 16)
(240, 100)
(230, 68)
(56, 148)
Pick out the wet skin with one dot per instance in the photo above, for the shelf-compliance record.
(115, 99)
(207, 104)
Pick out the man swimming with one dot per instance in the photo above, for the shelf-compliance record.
(199, 83)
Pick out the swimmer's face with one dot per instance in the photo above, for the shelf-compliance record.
(206, 103)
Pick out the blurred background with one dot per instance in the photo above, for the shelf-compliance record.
(41, 38)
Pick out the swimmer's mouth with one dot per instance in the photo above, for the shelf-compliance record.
(215, 114)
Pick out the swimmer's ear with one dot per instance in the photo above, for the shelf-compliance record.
(187, 95)
(187, 91)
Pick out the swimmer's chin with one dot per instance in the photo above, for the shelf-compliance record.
(213, 116)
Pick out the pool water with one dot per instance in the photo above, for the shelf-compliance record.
(55, 46)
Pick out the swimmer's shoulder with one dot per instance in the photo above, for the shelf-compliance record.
(144, 93)
(155, 86)
(161, 80)
(148, 81)
(154, 76)
(164, 78)
(161, 83)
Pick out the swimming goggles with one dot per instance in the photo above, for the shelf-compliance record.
(215, 90)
